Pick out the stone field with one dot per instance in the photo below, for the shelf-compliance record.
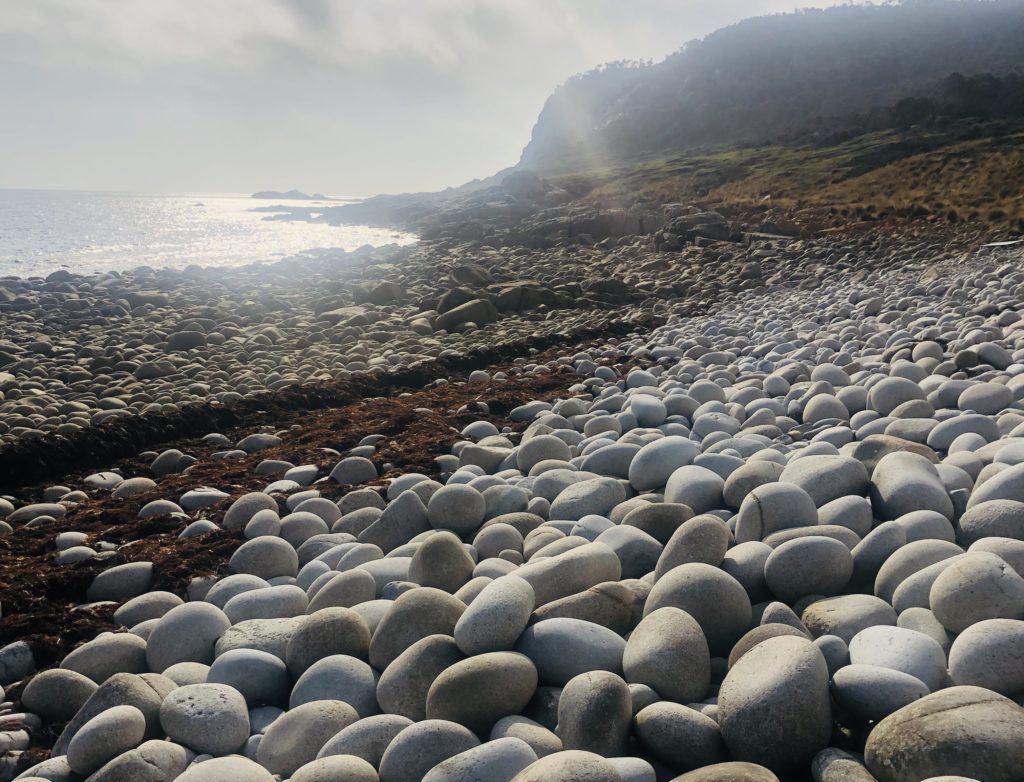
(777, 538)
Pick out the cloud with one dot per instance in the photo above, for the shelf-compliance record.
(382, 85)
(126, 37)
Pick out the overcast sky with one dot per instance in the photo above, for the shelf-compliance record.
(337, 96)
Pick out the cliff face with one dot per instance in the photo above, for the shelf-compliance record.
(772, 76)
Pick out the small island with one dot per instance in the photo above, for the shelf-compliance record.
(291, 195)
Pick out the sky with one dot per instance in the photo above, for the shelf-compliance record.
(344, 97)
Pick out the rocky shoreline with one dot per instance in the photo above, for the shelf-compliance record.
(748, 511)
(82, 350)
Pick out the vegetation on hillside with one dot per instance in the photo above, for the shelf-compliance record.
(911, 109)
(938, 173)
(773, 77)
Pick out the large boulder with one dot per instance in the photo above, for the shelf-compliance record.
(478, 311)
(966, 731)
(774, 706)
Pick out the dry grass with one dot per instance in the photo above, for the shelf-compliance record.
(909, 173)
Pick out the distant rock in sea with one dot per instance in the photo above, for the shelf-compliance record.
(295, 195)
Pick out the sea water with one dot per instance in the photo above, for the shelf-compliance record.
(45, 230)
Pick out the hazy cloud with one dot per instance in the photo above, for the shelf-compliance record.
(337, 95)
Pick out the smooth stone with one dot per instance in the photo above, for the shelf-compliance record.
(826, 478)
(977, 586)
(903, 650)
(905, 482)
(56, 695)
(990, 654)
(774, 706)
(562, 648)
(458, 508)
(873, 693)
(296, 737)
(774, 507)
(366, 738)
(612, 605)
(105, 655)
(121, 689)
(331, 769)
(53, 769)
(187, 673)
(403, 686)
(132, 486)
(186, 633)
(667, 651)
(835, 650)
(634, 769)
(655, 462)
(595, 712)
(660, 520)
(541, 740)
(697, 487)
(595, 496)
(207, 718)
(1007, 484)
(104, 737)
(497, 616)
(338, 678)
(967, 731)
(441, 562)
(812, 565)
(755, 636)
(226, 588)
(874, 550)
(571, 572)
(704, 538)
(835, 765)
(230, 769)
(745, 563)
(712, 597)
(570, 765)
(266, 635)
(326, 632)
(404, 518)
(151, 761)
(541, 448)
(745, 479)
(995, 518)
(260, 677)
(679, 736)
(29, 512)
(915, 590)
(273, 602)
(480, 690)
(730, 771)
(416, 614)
(344, 590)
(910, 559)
(923, 621)
(851, 512)
(925, 525)
(121, 582)
(151, 605)
(638, 552)
(422, 746)
(498, 760)
(265, 557)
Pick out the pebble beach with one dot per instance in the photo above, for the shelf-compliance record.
(601, 512)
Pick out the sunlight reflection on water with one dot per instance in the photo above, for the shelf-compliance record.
(45, 230)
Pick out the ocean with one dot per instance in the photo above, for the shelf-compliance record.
(45, 230)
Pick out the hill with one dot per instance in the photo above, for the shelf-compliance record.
(815, 119)
(773, 77)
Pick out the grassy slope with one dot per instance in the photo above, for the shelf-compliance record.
(919, 171)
